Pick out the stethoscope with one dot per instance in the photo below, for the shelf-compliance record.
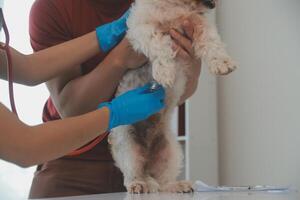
(9, 60)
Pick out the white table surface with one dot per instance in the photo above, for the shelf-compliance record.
(194, 196)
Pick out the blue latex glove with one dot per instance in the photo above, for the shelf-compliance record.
(109, 35)
(135, 105)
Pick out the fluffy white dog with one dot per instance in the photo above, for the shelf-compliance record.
(148, 153)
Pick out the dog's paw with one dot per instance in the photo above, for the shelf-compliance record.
(179, 187)
(223, 66)
(138, 187)
(152, 184)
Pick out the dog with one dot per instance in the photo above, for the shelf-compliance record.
(147, 152)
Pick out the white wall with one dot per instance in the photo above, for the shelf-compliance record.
(259, 111)
(202, 146)
(14, 181)
(202, 143)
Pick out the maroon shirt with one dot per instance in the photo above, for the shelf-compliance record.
(53, 22)
(56, 21)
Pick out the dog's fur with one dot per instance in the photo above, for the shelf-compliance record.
(147, 152)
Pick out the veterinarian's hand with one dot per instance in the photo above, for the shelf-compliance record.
(109, 35)
(183, 45)
(135, 105)
(125, 57)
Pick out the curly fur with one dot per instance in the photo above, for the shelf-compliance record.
(147, 152)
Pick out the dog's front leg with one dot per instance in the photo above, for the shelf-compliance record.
(209, 47)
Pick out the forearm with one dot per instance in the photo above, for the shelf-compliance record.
(74, 93)
(39, 67)
(27, 146)
(191, 88)
(63, 57)
(84, 93)
(61, 137)
(191, 85)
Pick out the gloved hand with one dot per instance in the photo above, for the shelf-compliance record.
(109, 35)
(135, 105)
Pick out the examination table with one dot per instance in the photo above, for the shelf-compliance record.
(194, 196)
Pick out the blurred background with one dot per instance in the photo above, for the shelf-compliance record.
(242, 129)
(14, 181)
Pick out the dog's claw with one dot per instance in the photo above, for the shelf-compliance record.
(179, 187)
(223, 67)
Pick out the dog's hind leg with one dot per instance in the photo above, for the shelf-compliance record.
(166, 165)
(129, 158)
(168, 180)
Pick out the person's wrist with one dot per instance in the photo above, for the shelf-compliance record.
(106, 107)
(195, 71)
(198, 67)
(105, 114)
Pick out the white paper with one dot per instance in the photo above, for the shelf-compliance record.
(200, 186)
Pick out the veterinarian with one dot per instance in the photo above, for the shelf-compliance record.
(25, 145)
(80, 89)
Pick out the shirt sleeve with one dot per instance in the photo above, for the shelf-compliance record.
(48, 24)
